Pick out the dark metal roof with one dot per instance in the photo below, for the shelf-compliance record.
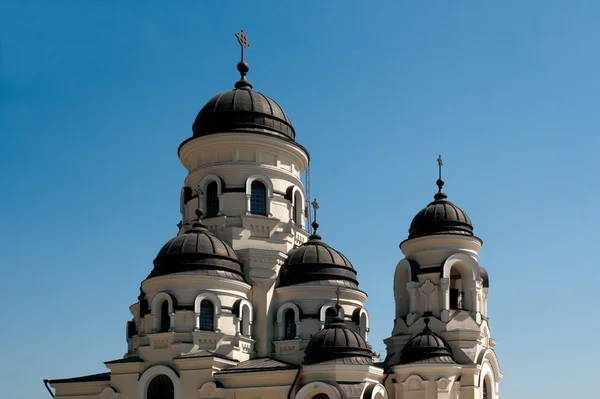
(315, 262)
(440, 217)
(198, 251)
(132, 359)
(426, 347)
(85, 378)
(338, 343)
(243, 110)
(259, 364)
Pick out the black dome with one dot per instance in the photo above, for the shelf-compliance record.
(426, 347)
(338, 343)
(243, 110)
(440, 217)
(317, 263)
(198, 251)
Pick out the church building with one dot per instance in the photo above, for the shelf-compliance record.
(248, 301)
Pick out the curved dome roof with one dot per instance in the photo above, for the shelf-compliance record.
(426, 347)
(440, 217)
(198, 251)
(243, 110)
(315, 262)
(338, 343)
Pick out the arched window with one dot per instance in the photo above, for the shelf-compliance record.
(207, 315)
(165, 319)
(161, 387)
(298, 209)
(329, 316)
(258, 198)
(320, 396)
(212, 200)
(245, 322)
(290, 324)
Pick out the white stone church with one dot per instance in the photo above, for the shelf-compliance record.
(247, 302)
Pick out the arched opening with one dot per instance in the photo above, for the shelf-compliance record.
(330, 314)
(320, 396)
(363, 325)
(245, 322)
(298, 209)
(461, 281)
(212, 200)
(207, 315)
(258, 198)
(487, 393)
(290, 324)
(161, 387)
(401, 298)
(165, 318)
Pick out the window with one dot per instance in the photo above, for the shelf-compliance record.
(297, 209)
(165, 319)
(161, 387)
(329, 316)
(258, 198)
(207, 315)
(290, 324)
(212, 200)
(456, 299)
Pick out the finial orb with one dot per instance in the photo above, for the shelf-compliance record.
(315, 225)
(243, 67)
(199, 213)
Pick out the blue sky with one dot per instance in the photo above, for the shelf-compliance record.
(95, 98)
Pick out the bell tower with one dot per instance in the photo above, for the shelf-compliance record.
(441, 320)
(244, 170)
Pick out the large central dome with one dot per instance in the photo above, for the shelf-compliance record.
(243, 110)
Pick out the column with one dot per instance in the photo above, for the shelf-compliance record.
(445, 297)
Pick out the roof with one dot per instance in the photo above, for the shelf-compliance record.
(440, 217)
(314, 262)
(132, 359)
(85, 378)
(259, 364)
(198, 251)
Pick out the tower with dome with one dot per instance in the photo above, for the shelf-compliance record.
(248, 300)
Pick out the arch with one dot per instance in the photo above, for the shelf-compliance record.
(312, 389)
(464, 281)
(297, 199)
(203, 184)
(109, 393)
(374, 391)
(361, 317)
(148, 375)
(443, 384)
(244, 313)
(323, 312)
(402, 276)
(413, 383)
(158, 311)
(281, 319)
(216, 302)
(486, 388)
(488, 358)
(269, 193)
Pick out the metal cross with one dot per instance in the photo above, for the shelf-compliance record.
(337, 295)
(440, 164)
(243, 41)
(315, 207)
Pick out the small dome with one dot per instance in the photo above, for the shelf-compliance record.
(315, 262)
(440, 217)
(198, 251)
(338, 343)
(243, 110)
(426, 347)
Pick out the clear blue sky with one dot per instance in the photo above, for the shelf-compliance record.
(95, 97)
